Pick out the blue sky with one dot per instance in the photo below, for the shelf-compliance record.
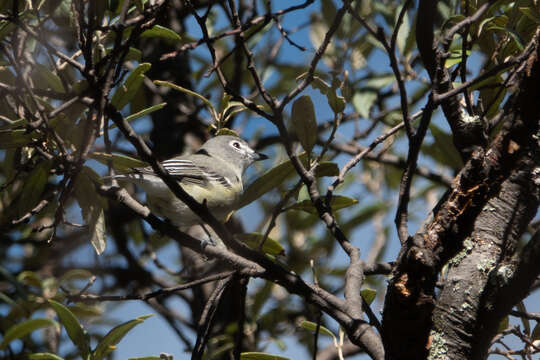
(154, 335)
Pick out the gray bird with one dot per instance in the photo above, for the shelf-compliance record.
(212, 174)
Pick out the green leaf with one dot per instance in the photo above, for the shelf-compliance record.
(75, 274)
(304, 122)
(14, 124)
(226, 131)
(317, 33)
(161, 32)
(503, 325)
(311, 326)
(86, 311)
(445, 150)
(73, 328)
(26, 327)
(96, 223)
(327, 168)
(140, 5)
(338, 202)
(44, 356)
(455, 58)
(268, 181)
(33, 187)
(303, 194)
(404, 30)
(113, 337)
(14, 138)
(127, 90)
(6, 299)
(84, 189)
(368, 295)
(133, 54)
(365, 214)
(337, 103)
(6, 27)
(380, 81)
(142, 113)
(363, 102)
(318, 84)
(513, 34)
(261, 297)
(531, 13)
(50, 78)
(270, 246)
(526, 325)
(493, 96)
(30, 278)
(92, 205)
(535, 336)
(192, 93)
(261, 356)
(119, 161)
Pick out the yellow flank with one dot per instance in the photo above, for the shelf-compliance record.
(215, 194)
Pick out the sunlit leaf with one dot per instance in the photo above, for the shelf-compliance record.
(24, 328)
(161, 32)
(125, 92)
(317, 33)
(73, 328)
(311, 326)
(113, 337)
(404, 30)
(337, 103)
(142, 113)
(368, 295)
(83, 311)
(380, 81)
(363, 101)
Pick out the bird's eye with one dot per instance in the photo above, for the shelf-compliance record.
(236, 144)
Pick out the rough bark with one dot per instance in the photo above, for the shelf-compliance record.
(477, 225)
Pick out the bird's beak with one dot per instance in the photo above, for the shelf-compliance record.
(258, 156)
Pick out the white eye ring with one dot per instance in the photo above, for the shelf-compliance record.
(236, 144)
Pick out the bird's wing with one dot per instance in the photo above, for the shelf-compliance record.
(188, 172)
